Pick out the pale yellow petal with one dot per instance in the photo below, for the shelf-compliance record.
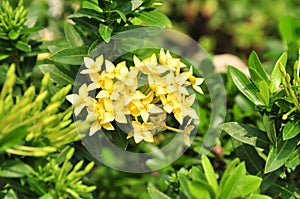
(72, 98)
(83, 91)
(99, 62)
(110, 67)
(136, 61)
(145, 115)
(88, 62)
(103, 94)
(198, 89)
(148, 137)
(94, 128)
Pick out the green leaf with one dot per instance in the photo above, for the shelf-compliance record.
(291, 129)
(11, 195)
(46, 196)
(73, 56)
(105, 32)
(232, 181)
(14, 169)
(73, 35)
(155, 193)
(275, 78)
(254, 64)
(88, 13)
(13, 35)
(192, 189)
(258, 196)
(12, 138)
(264, 92)
(128, 7)
(155, 18)
(210, 173)
(247, 153)
(248, 185)
(91, 5)
(246, 134)
(279, 155)
(4, 56)
(285, 190)
(21, 45)
(245, 86)
(294, 159)
(269, 124)
(122, 15)
(288, 29)
(55, 74)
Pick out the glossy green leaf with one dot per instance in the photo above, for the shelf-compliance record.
(73, 35)
(246, 134)
(279, 155)
(91, 5)
(210, 173)
(248, 185)
(269, 124)
(121, 14)
(247, 153)
(14, 169)
(13, 35)
(105, 32)
(155, 193)
(21, 45)
(275, 78)
(232, 182)
(264, 92)
(294, 159)
(231, 167)
(73, 56)
(245, 86)
(155, 18)
(56, 75)
(254, 64)
(291, 129)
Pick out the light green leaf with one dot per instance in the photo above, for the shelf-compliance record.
(155, 18)
(279, 155)
(246, 134)
(155, 193)
(210, 174)
(275, 78)
(122, 15)
(73, 56)
(73, 35)
(4, 56)
(245, 86)
(288, 27)
(291, 129)
(248, 185)
(14, 169)
(258, 196)
(254, 64)
(11, 195)
(13, 35)
(264, 92)
(91, 5)
(21, 45)
(12, 138)
(46, 196)
(105, 32)
(294, 159)
(55, 74)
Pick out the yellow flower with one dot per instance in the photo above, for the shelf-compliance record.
(194, 81)
(168, 61)
(81, 100)
(148, 65)
(117, 72)
(103, 112)
(141, 132)
(92, 66)
(141, 106)
(100, 81)
(170, 102)
(184, 109)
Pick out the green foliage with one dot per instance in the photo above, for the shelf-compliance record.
(277, 99)
(201, 182)
(31, 124)
(14, 35)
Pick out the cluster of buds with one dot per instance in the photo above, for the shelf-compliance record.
(12, 20)
(292, 88)
(140, 95)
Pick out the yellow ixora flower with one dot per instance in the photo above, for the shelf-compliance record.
(144, 94)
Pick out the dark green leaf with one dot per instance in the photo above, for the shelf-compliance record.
(294, 159)
(247, 153)
(291, 129)
(105, 32)
(122, 15)
(73, 35)
(275, 78)
(73, 56)
(279, 155)
(245, 86)
(56, 75)
(27, 31)
(89, 13)
(254, 64)
(269, 124)
(14, 169)
(155, 18)
(155, 193)
(21, 45)
(128, 7)
(285, 190)
(246, 134)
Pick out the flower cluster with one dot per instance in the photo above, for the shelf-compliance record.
(141, 95)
